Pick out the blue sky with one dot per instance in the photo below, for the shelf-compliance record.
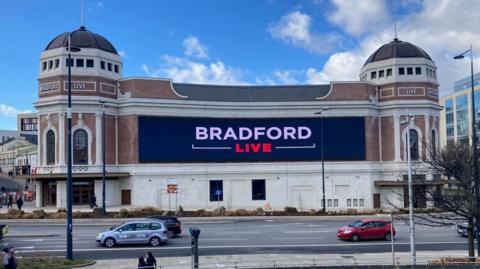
(233, 42)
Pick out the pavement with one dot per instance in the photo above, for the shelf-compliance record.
(287, 260)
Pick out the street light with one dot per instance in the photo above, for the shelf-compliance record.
(69, 152)
(474, 148)
(104, 208)
(409, 123)
(323, 159)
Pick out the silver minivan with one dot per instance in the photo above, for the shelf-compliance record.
(151, 232)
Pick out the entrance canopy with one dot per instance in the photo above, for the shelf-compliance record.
(399, 183)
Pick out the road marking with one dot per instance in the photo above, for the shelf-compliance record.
(306, 232)
(31, 240)
(223, 239)
(245, 246)
(238, 233)
(299, 238)
(317, 225)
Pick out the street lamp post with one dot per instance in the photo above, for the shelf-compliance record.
(324, 205)
(413, 254)
(104, 208)
(474, 149)
(69, 153)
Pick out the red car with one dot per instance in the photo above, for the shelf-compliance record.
(366, 229)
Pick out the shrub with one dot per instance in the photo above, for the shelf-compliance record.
(179, 210)
(147, 211)
(290, 209)
(351, 211)
(241, 212)
(98, 211)
(259, 211)
(13, 211)
(39, 214)
(123, 213)
(219, 211)
(202, 213)
(62, 210)
(312, 212)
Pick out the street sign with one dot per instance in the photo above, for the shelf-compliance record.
(172, 188)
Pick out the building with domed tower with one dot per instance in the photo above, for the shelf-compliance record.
(202, 146)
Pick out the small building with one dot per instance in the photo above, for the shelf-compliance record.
(167, 144)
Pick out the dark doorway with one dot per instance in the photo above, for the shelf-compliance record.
(82, 192)
(419, 196)
(49, 193)
(126, 197)
(376, 200)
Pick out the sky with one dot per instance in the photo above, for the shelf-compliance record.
(269, 42)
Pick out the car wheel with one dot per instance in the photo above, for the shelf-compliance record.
(388, 237)
(155, 241)
(355, 238)
(109, 242)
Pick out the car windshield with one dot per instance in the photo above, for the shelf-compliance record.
(356, 224)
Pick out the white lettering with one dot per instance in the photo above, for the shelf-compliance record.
(230, 134)
(274, 129)
(304, 132)
(201, 133)
(258, 131)
(245, 133)
(215, 132)
(289, 132)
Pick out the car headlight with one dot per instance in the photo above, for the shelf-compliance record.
(100, 235)
(347, 231)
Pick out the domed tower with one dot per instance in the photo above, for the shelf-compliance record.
(96, 67)
(402, 70)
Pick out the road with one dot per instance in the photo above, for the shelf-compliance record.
(267, 236)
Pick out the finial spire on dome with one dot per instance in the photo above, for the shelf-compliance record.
(81, 15)
(396, 37)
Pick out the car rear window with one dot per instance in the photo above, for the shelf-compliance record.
(142, 226)
(380, 224)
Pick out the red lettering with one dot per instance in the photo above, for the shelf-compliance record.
(238, 148)
(255, 147)
(267, 147)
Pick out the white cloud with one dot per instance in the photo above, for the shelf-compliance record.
(295, 28)
(287, 77)
(9, 111)
(358, 17)
(184, 70)
(428, 28)
(122, 53)
(193, 48)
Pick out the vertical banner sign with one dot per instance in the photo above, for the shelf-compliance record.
(171, 139)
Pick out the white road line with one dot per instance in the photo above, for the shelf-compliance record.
(299, 238)
(250, 246)
(306, 232)
(31, 240)
(317, 225)
(223, 239)
(238, 233)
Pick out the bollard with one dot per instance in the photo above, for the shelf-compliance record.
(194, 233)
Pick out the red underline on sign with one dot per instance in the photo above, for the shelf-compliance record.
(297, 147)
(195, 147)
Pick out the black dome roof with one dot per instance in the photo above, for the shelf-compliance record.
(397, 49)
(82, 38)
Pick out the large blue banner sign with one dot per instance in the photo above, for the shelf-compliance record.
(173, 139)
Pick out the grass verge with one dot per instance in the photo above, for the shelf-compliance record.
(50, 263)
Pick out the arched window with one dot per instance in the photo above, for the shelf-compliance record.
(50, 147)
(80, 147)
(414, 145)
(433, 140)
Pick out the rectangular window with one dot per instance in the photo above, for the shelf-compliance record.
(409, 70)
(57, 63)
(329, 202)
(401, 71)
(389, 72)
(418, 70)
(116, 68)
(355, 202)
(90, 63)
(335, 202)
(44, 66)
(66, 62)
(258, 189)
(433, 74)
(79, 62)
(109, 66)
(381, 73)
(373, 75)
(102, 65)
(361, 202)
(349, 202)
(50, 64)
(216, 190)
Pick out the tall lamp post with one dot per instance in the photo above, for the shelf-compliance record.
(413, 254)
(69, 153)
(104, 208)
(474, 148)
(324, 204)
